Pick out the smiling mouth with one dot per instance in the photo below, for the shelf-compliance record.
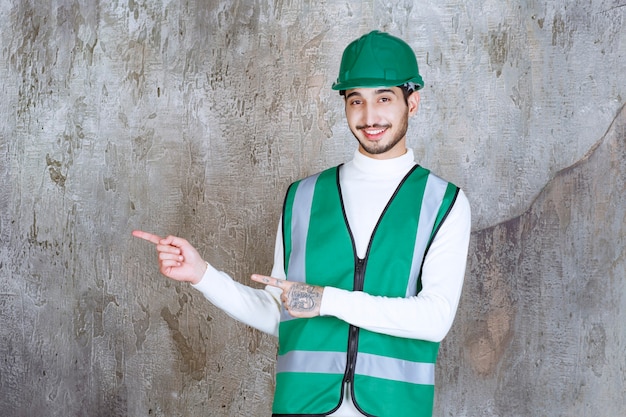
(373, 131)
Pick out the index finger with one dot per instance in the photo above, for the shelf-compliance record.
(147, 236)
(274, 282)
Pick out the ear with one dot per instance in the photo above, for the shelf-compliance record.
(413, 100)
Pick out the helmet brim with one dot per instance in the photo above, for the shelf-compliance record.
(376, 82)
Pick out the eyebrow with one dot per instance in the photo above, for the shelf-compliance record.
(378, 91)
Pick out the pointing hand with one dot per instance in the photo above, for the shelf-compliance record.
(178, 260)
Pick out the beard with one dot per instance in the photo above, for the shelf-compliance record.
(377, 148)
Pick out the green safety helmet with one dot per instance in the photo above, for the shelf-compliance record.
(378, 60)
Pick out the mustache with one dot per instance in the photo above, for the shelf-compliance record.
(374, 126)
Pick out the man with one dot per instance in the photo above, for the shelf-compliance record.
(369, 259)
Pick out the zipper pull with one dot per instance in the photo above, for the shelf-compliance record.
(359, 274)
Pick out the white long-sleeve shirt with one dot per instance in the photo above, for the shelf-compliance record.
(367, 185)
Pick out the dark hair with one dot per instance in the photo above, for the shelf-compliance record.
(407, 90)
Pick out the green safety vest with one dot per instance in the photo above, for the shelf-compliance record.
(389, 376)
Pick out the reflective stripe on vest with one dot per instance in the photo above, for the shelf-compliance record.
(369, 365)
(300, 227)
(300, 219)
(436, 187)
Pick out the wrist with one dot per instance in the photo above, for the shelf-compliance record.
(200, 273)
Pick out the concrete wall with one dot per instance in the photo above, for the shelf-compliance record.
(192, 117)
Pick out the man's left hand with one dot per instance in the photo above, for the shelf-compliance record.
(300, 300)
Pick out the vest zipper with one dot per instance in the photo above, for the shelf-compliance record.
(353, 333)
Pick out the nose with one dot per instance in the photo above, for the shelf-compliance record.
(370, 116)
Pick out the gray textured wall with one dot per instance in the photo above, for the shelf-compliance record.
(192, 117)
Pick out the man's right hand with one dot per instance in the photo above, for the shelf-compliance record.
(178, 260)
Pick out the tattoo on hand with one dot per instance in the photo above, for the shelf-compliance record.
(303, 297)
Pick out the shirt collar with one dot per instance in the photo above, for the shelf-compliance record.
(384, 166)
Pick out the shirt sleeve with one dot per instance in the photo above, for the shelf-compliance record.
(428, 315)
(259, 308)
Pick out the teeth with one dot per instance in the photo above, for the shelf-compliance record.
(375, 132)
